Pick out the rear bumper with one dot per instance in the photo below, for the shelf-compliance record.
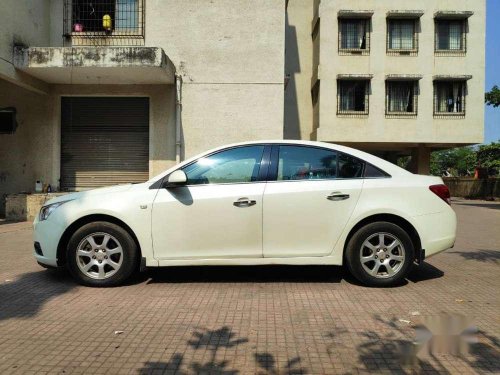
(437, 231)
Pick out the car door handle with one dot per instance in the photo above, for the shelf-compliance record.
(337, 196)
(244, 202)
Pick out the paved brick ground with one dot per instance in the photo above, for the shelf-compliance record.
(222, 320)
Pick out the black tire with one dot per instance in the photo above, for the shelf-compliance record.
(354, 249)
(129, 248)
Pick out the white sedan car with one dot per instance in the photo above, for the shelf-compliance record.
(254, 203)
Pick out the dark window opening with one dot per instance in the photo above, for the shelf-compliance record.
(93, 15)
(8, 122)
(450, 35)
(354, 34)
(449, 97)
(401, 97)
(353, 96)
(401, 34)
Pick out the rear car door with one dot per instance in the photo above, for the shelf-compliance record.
(310, 196)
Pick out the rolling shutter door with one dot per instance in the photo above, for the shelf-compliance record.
(104, 141)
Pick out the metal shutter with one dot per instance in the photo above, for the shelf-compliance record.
(104, 141)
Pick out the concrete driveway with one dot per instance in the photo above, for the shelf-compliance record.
(266, 320)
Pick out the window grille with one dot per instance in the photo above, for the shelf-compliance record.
(353, 97)
(401, 98)
(450, 36)
(354, 35)
(449, 98)
(402, 35)
(104, 22)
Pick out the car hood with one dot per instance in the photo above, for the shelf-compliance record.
(89, 193)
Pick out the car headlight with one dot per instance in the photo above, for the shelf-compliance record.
(45, 211)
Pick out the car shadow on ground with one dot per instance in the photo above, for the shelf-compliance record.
(482, 255)
(494, 205)
(270, 274)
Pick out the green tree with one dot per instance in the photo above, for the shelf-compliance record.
(488, 156)
(493, 97)
(459, 161)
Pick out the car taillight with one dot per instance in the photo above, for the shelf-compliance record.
(442, 192)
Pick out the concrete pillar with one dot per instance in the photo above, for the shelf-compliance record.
(420, 160)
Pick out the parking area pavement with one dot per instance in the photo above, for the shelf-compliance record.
(266, 320)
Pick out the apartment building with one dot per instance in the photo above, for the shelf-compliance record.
(115, 91)
(391, 77)
(100, 92)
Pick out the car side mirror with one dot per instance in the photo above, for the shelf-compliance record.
(176, 178)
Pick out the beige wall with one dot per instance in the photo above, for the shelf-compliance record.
(230, 55)
(23, 22)
(424, 128)
(298, 65)
(26, 155)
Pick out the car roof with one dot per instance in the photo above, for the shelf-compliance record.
(386, 166)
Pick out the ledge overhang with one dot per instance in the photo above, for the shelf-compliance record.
(451, 77)
(453, 14)
(405, 13)
(403, 77)
(96, 65)
(355, 13)
(355, 76)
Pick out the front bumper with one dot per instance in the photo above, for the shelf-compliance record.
(47, 234)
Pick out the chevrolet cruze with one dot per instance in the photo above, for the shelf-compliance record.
(254, 203)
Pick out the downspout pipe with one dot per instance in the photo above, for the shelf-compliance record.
(178, 110)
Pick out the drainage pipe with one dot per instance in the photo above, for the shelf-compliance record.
(178, 110)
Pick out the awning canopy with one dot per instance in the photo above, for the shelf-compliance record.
(405, 13)
(403, 77)
(453, 14)
(96, 65)
(355, 13)
(355, 76)
(463, 77)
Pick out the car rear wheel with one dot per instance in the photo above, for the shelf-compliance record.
(101, 254)
(380, 254)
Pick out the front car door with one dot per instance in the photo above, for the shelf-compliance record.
(218, 212)
(307, 206)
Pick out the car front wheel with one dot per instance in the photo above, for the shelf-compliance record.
(101, 254)
(380, 254)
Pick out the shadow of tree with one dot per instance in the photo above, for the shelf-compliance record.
(25, 296)
(267, 362)
(213, 340)
(481, 255)
(485, 354)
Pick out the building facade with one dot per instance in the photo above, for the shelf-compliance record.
(390, 77)
(114, 91)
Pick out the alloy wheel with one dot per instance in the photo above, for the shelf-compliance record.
(382, 255)
(99, 255)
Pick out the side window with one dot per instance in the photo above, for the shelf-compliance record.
(235, 165)
(306, 163)
(374, 172)
(350, 167)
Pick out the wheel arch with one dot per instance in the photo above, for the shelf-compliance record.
(391, 218)
(73, 227)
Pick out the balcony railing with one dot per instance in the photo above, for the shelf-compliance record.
(104, 22)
